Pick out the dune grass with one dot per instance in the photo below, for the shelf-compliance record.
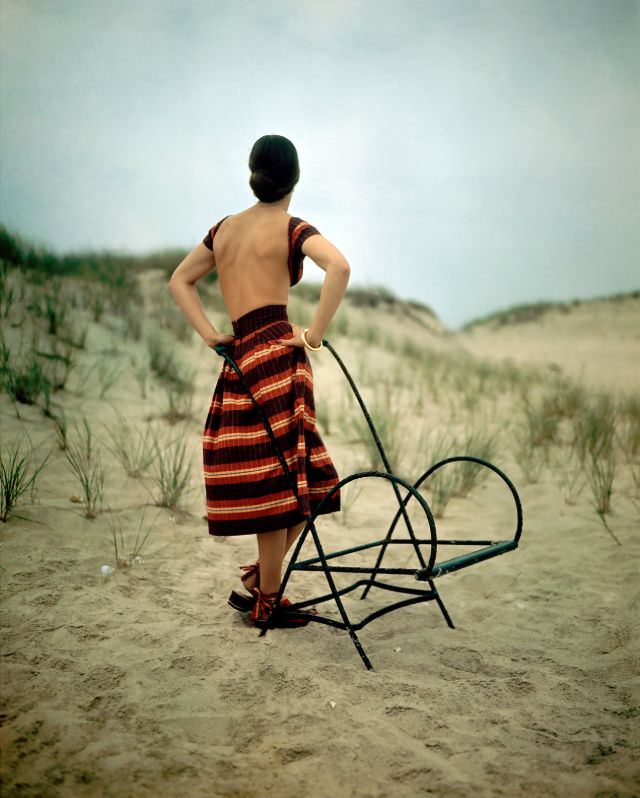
(389, 417)
(25, 381)
(172, 471)
(57, 364)
(171, 319)
(541, 419)
(62, 428)
(595, 437)
(75, 332)
(141, 373)
(628, 429)
(131, 446)
(445, 482)
(56, 307)
(133, 323)
(85, 461)
(18, 474)
(7, 291)
(115, 272)
(108, 372)
(536, 428)
(126, 551)
(569, 472)
(164, 360)
(479, 443)
(178, 402)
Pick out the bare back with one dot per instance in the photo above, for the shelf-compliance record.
(258, 254)
(251, 253)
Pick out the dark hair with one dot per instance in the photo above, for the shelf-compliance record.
(274, 167)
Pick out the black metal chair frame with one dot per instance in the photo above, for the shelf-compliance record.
(428, 569)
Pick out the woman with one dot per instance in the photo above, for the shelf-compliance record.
(258, 254)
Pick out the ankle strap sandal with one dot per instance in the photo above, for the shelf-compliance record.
(249, 571)
(266, 614)
(240, 601)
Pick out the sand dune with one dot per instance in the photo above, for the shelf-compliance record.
(595, 342)
(145, 683)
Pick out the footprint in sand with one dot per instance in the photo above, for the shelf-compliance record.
(287, 755)
(462, 660)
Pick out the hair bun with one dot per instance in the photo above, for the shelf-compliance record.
(274, 167)
(264, 175)
(266, 187)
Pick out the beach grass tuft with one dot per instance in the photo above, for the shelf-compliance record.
(179, 402)
(476, 443)
(133, 448)
(595, 439)
(164, 362)
(24, 382)
(127, 552)
(109, 372)
(62, 428)
(171, 472)
(445, 482)
(18, 474)
(85, 461)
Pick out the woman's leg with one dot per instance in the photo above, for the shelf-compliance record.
(292, 534)
(271, 549)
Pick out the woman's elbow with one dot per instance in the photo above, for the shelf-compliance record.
(178, 275)
(175, 282)
(341, 266)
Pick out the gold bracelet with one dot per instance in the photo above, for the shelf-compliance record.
(307, 344)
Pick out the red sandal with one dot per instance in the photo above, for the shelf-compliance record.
(249, 571)
(267, 615)
(240, 601)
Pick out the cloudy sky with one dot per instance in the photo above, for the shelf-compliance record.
(471, 154)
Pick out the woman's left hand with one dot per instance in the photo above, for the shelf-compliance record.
(296, 337)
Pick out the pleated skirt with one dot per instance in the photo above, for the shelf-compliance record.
(247, 489)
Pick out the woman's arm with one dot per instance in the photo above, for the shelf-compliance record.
(332, 261)
(199, 261)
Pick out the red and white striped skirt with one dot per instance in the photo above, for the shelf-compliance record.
(246, 487)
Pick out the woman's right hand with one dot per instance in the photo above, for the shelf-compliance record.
(219, 338)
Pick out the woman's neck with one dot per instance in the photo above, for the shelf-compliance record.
(278, 206)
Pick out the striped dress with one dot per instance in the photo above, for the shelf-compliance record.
(246, 487)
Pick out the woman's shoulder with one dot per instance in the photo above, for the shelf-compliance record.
(300, 228)
(211, 233)
(299, 231)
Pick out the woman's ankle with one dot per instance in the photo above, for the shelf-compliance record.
(251, 576)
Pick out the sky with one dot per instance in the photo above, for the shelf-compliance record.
(469, 154)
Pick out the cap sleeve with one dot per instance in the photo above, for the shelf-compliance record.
(208, 239)
(299, 231)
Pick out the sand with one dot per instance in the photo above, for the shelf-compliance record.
(145, 683)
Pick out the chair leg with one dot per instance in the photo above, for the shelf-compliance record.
(443, 609)
(338, 600)
(363, 654)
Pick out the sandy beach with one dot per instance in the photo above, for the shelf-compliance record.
(144, 683)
